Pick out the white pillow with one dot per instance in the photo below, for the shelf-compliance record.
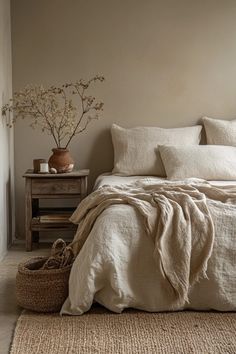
(220, 132)
(136, 149)
(210, 162)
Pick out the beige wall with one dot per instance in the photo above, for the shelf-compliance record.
(166, 63)
(6, 137)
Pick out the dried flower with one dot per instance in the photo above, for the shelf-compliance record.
(60, 111)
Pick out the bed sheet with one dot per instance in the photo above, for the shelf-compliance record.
(112, 180)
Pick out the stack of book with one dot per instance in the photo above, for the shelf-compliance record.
(53, 215)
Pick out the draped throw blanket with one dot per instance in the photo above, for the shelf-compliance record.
(176, 216)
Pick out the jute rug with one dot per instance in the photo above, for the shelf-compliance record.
(100, 331)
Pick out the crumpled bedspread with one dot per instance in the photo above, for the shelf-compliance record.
(180, 223)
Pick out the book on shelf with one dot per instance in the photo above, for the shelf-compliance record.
(54, 218)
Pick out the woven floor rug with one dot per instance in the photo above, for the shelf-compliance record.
(132, 332)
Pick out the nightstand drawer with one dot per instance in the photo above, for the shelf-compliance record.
(56, 186)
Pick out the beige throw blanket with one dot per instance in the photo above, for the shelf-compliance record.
(177, 217)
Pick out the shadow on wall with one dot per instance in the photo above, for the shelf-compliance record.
(100, 160)
(203, 133)
(6, 214)
(10, 209)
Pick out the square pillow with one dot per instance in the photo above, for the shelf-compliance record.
(136, 149)
(220, 132)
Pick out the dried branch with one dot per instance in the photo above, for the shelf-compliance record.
(61, 111)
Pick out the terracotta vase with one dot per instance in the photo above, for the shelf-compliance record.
(61, 160)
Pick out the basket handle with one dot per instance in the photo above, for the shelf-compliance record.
(58, 247)
(61, 256)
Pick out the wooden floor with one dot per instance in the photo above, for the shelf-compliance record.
(9, 311)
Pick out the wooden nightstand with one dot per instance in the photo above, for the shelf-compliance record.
(51, 186)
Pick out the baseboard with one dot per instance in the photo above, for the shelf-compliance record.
(2, 256)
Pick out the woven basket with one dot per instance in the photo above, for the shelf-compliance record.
(41, 290)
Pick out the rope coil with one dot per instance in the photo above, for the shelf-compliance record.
(61, 256)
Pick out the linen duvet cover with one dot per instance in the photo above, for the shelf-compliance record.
(117, 266)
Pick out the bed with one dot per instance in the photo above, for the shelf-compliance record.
(160, 243)
(116, 267)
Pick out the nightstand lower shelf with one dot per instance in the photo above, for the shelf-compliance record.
(37, 226)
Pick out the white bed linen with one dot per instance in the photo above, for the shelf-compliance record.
(116, 267)
(112, 180)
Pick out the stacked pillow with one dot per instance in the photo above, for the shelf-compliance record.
(176, 153)
(220, 132)
(210, 162)
(136, 149)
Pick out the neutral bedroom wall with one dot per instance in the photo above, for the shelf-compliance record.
(6, 137)
(166, 63)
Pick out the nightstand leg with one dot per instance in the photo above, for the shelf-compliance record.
(35, 236)
(28, 214)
